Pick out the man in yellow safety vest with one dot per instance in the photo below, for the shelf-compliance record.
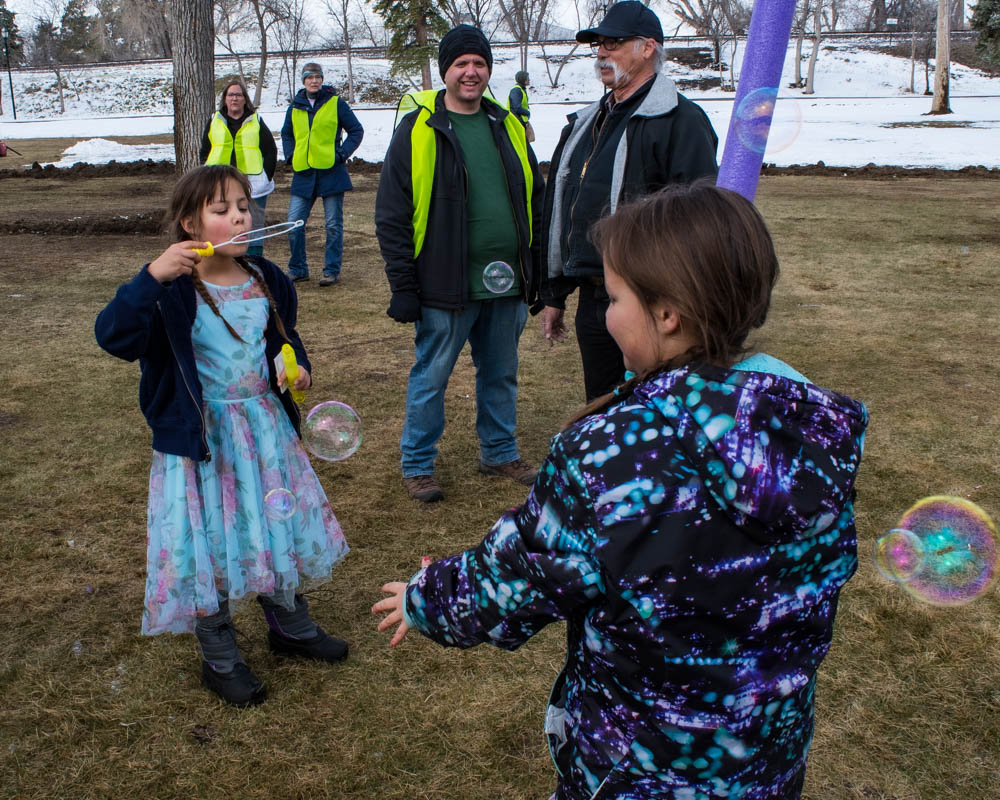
(458, 199)
(311, 141)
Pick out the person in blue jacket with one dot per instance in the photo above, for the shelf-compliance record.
(227, 462)
(694, 528)
(312, 142)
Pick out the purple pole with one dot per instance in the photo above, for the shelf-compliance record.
(767, 43)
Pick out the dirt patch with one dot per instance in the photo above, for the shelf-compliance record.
(880, 173)
(96, 225)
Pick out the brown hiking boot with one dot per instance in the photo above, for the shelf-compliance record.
(423, 488)
(517, 470)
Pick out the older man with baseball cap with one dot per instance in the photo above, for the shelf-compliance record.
(460, 190)
(641, 136)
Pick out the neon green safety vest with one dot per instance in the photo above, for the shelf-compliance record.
(423, 154)
(315, 146)
(524, 95)
(249, 160)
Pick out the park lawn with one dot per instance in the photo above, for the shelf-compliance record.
(888, 294)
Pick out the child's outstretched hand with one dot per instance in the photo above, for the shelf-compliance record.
(302, 382)
(178, 259)
(394, 606)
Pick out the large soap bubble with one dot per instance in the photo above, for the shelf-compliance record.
(332, 431)
(899, 554)
(498, 276)
(761, 123)
(959, 551)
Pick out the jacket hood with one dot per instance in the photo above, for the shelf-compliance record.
(778, 455)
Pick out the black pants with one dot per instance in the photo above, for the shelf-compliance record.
(603, 366)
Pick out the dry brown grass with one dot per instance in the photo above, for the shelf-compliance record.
(876, 300)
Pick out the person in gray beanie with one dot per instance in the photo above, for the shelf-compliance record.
(460, 191)
(313, 143)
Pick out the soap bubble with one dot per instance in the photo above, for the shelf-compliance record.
(78, 648)
(899, 554)
(959, 550)
(279, 504)
(761, 123)
(498, 277)
(332, 431)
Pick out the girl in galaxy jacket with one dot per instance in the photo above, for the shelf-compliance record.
(694, 529)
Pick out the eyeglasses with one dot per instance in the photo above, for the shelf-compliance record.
(238, 94)
(610, 44)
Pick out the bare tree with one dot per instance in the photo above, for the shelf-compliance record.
(484, 14)
(232, 18)
(292, 31)
(191, 33)
(592, 9)
(799, 28)
(341, 11)
(266, 14)
(817, 35)
(525, 19)
(714, 19)
(942, 60)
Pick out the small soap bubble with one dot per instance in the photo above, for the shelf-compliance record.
(963, 251)
(279, 504)
(71, 543)
(116, 686)
(763, 124)
(498, 277)
(959, 546)
(899, 554)
(88, 589)
(332, 431)
(78, 648)
(122, 669)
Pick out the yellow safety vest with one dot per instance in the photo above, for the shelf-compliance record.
(524, 95)
(423, 154)
(249, 159)
(315, 145)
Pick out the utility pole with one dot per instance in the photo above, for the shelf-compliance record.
(6, 53)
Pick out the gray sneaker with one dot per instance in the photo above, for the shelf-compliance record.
(423, 488)
(327, 280)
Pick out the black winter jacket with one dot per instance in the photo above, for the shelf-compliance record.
(438, 275)
(668, 139)
(151, 321)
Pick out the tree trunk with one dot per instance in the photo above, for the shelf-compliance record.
(913, 61)
(62, 102)
(811, 72)
(350, 69)
(942, 59)
(425, 68)
(192, 38)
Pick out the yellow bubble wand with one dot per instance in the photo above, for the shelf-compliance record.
(291, 372)
(252, 236)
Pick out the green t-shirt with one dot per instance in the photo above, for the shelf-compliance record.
(491, 232)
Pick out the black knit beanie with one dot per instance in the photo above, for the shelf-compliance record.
(463, 40)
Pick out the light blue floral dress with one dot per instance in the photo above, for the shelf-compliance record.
(207, 530)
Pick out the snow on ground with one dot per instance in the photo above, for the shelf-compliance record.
(862, 112)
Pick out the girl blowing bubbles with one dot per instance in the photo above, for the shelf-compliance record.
(206, 331)
(694, 529)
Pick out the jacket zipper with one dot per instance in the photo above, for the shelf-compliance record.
(595, 136)
(201, 414)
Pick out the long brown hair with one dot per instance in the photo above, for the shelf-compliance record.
(196, 189)
(705, 252)
(249, 107)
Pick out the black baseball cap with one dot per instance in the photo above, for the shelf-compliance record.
(625, 19)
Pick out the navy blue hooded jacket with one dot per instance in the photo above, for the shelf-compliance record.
(151, 321)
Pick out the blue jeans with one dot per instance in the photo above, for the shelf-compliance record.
(492, 328)
(333, 211)
(258, 218)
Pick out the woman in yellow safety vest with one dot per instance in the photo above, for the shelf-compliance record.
(237, 135)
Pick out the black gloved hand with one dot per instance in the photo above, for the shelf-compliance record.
(404, 307)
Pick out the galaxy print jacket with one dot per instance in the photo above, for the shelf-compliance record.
(695, 536)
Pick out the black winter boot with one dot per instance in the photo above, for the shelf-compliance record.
(223, 669)
(295, 634)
